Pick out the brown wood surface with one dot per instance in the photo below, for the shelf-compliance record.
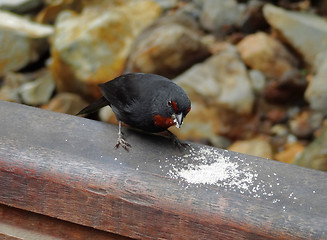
(66, 167)
(20, 224)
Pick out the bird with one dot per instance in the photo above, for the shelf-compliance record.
(145, 101)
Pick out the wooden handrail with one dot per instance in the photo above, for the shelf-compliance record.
(20, 224)
(66, 167)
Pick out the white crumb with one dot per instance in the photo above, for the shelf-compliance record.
(210, 166)
(208, 174)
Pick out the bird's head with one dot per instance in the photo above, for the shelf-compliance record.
(172, 108)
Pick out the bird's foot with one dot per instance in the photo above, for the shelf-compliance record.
(180, 145)
(122, 142)
(177, 143)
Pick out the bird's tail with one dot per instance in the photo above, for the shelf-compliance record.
(101, 102)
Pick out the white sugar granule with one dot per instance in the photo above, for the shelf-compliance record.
(208, 174)
(209, 166)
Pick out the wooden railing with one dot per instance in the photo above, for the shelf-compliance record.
(61, 177)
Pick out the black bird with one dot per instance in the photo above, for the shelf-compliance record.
(145, 101)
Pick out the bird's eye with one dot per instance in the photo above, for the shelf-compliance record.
(169, 103)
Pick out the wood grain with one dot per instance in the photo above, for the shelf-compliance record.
(19, 224)
(65, 167)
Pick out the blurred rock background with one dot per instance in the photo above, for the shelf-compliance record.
(255, 71)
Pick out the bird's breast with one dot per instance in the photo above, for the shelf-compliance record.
(163, 122)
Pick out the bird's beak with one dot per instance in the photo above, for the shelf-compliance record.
(178, 119)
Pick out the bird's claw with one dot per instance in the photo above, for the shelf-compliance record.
(176, 142)
(122, 142)
(180, 145)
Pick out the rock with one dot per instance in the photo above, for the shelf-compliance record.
(199, 3)
(291, 139)
(288, 89)
(92, 47)
(276, 115)
(38, 91)
(258, 81)
(218, 15)
(304, 124)
(167, 4)
(314, 155)
(251, 19)
(303, 31)
(68, 103)
(257, 146)
(290, 153)
(279, 130)
(21, 41)
(32, 88)
(107, 115)
(266, 54)
(168, 47)
(222, 80)
(20, 6)
(190, 9)
(49, 13)
(9, 90)
(221, 96)
(315, 94)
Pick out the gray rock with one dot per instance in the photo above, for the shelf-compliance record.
(217, 14)
(221, 80)
(279, 130)
(168, 47)
(199, 3)
(191, 10)
(221, 95)
(21, 41)
(32, 88)
(20, 6)
(39, 91)
(315, 94)
(304, 32)
(167, 4)
(258, 81)
(10, 86)
(314, 156)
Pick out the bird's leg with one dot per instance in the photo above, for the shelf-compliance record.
(176, 141)
(121, 141)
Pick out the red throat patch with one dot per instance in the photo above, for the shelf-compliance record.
(163, 122)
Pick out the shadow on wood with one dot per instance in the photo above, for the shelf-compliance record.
(66, 167)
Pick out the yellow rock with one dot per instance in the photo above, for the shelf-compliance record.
(92, 47)
(68, 103)
(290, 153)
(258, 146)
(266, 54)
